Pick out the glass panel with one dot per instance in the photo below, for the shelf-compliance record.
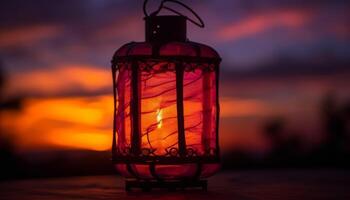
(193, 97)
(209, 109)
(158, 109)
(200, 109)
(177, 49)
(123, 121)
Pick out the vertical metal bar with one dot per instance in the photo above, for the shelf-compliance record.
(130, 169)
(180, 109)
(217, 73)
(135, 110)
(207, 110)
(198, 173)
(152, 170)
(114, 143)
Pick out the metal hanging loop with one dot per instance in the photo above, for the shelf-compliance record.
(199, 23)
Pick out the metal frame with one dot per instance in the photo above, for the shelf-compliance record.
(159, 32)
(147, 185)
(182, 155)
(162, 160)
(180, 60)
(185, 59)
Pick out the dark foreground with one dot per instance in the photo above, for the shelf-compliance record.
(239, 185)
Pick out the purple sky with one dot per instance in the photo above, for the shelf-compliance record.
(247, 34)
(280, 57)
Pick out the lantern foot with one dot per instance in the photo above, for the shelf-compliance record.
(173, 185)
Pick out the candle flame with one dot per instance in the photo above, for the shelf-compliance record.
(159, 118)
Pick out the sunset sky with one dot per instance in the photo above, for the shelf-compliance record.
(280, 58)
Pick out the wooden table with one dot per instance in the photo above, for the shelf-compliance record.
(233, 185)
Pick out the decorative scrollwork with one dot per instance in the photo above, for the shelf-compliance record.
(147, 152)
(126, 151)
(164, 66)
(190, 152)
(171, 152)
(174, 152)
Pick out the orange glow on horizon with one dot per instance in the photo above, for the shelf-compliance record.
(77, 139)
(86, 122)
(232, 107)
(68, 122)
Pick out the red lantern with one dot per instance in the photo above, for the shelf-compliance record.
(166, 106)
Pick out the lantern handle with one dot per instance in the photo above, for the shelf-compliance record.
(199, 23)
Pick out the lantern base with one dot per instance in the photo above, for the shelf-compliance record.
(148, 185)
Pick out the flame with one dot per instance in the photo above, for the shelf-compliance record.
(159, 118)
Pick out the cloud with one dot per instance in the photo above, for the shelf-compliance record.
(28, 35)
(233, 107)
(86, 122)
(340, 29)
(324, 64)
(262, 22)
(60, 80)
(120, 30)
(96, 140)
(64, 122)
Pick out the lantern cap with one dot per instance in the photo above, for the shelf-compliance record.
(166, 28)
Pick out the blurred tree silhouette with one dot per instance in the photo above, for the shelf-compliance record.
(274, 129)
(336, 124)
(12, 103)
(2, 80)
(8, 158)
(285, 147)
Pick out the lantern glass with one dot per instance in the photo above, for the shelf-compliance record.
(158, 117)
(166, 104)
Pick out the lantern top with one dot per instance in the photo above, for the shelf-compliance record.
(162, 29)
(166, 38)
(188, 49)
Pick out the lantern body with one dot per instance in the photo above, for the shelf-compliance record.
(166, 110)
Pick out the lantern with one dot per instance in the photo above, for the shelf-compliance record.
(166, 106)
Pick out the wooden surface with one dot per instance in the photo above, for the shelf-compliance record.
(239, 185)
